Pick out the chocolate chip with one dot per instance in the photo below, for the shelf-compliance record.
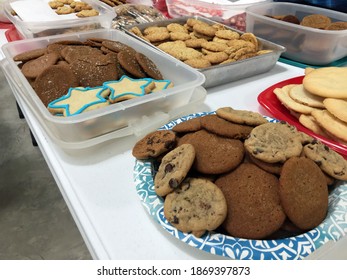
(168, 168)
(173, 183)
(175, 220)
(258, 151)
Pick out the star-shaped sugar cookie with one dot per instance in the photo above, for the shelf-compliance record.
(79, 100)
(161, 85)
(127, 88)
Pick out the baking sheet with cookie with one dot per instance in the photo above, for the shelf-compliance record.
(294, 247)
(268, 100)
(37, 19)
(224, 73)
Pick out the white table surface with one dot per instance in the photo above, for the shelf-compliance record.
(99, 189)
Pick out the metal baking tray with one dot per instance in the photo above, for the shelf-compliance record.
(221, 74)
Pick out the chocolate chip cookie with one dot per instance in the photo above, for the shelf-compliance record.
(154, 144)
(328, 160)
(274, 142)
(195, 206)
(173, 169)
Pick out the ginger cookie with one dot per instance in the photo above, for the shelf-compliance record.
(54, 82)
(173, 169)
(253, 202)
(196, 206)
(214, 154)
(116, 46)
(71, 53)
(32, 68)
(274, 142)
(222, 127)
(241, 116)
(29, 55)
(148, 66)
(93, 71)
(130, 64)
(154, 144)
(303, 192)
(190, 125)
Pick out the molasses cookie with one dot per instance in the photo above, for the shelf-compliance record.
(214, 154)
(222, 127)
(241, 116)
(303, 192)
(254, 207)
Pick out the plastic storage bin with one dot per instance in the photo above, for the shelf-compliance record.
(304, 44)
(59, 24)
(136, 116)
(231, 13)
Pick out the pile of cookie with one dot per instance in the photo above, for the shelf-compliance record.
(236, 173)
(80, 8)
(105, 70)
(201, 44)
(320, 102)
(317, 21)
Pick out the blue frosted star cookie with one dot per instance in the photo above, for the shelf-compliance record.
(161, 85)
(128, 88)
(79, 100)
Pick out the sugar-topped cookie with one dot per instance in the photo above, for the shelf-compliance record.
(79, 100)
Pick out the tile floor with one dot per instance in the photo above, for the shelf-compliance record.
(35, 222)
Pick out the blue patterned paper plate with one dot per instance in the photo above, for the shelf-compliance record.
(298, 247)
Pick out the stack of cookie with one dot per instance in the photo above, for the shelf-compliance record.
(319, 103)
(200, 44)
(94, 65)
(270, 175)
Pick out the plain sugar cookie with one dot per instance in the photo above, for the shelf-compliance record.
(327, 82)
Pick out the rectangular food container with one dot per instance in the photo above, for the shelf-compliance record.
(221, 74)
(136, 116)
(67, 24)
(231, 13)
(304, 44)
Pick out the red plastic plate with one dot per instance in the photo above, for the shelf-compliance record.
(268, 100)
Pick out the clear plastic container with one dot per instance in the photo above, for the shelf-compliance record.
(67, 24)
(304, 44)
(231, 13)
(136, 116)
